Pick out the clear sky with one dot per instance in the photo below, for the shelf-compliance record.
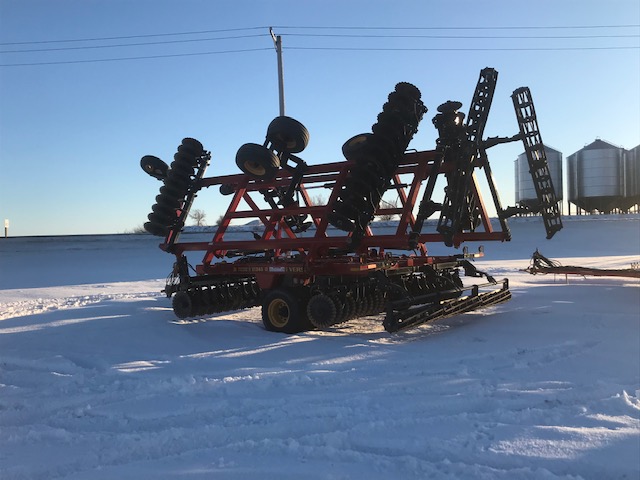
(73, 129)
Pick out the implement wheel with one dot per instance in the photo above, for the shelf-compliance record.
(283, 310)
(356, 145)
(154, 167)
(257, 161)
(287, 135)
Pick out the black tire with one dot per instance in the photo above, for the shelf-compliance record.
(287, 135)
(227, 189)
(257, 161)
(182, 304)
(284, 310)
(355, 145)
(154, 167)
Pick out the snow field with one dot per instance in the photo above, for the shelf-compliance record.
(99, 381)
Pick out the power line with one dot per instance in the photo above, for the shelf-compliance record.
(126, 37)
(290, 27)
(511, 27)
(161, 42)
(135, 58)
(462, 49)
(520, 27)
(328, 48)
(380, 49)
(236, 37)
(462, 37)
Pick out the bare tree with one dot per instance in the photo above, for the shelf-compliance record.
(219, 220)
(198, 216)
(136, 230)
(318, 199)
(386, 204)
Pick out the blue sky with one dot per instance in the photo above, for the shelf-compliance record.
(72, 130)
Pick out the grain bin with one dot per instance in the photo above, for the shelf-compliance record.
(631, 178)
(524, 190)
(597, 177)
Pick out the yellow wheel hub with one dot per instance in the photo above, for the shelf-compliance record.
(255, 168)
(278, 312)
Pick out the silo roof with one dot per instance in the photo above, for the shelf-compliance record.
(600, 145)
(547, 148)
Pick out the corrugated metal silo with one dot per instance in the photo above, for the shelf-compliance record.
(525, 192)
(631, 177)
(598, 176)
(572, 177)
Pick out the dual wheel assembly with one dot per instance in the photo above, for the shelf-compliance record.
(284, 136)
(294, 310)
(286, 310)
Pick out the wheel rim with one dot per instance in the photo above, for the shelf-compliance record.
(278, 312)
(357, 141)
(255, 168)
(286, 141)
(154, 166)
(151, 169)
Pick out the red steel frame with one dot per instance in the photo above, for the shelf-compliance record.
(278, 238)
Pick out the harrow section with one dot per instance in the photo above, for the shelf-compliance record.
(436, 305)
(537, 160)
(375, 158)
(317, 265)
(462, 148)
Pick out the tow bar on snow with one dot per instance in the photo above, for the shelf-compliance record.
(543, 265)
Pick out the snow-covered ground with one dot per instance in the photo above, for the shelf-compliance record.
(99, 381)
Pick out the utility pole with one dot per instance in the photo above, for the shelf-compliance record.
(277, 41)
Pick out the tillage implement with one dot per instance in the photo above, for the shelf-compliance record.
(314, 262)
